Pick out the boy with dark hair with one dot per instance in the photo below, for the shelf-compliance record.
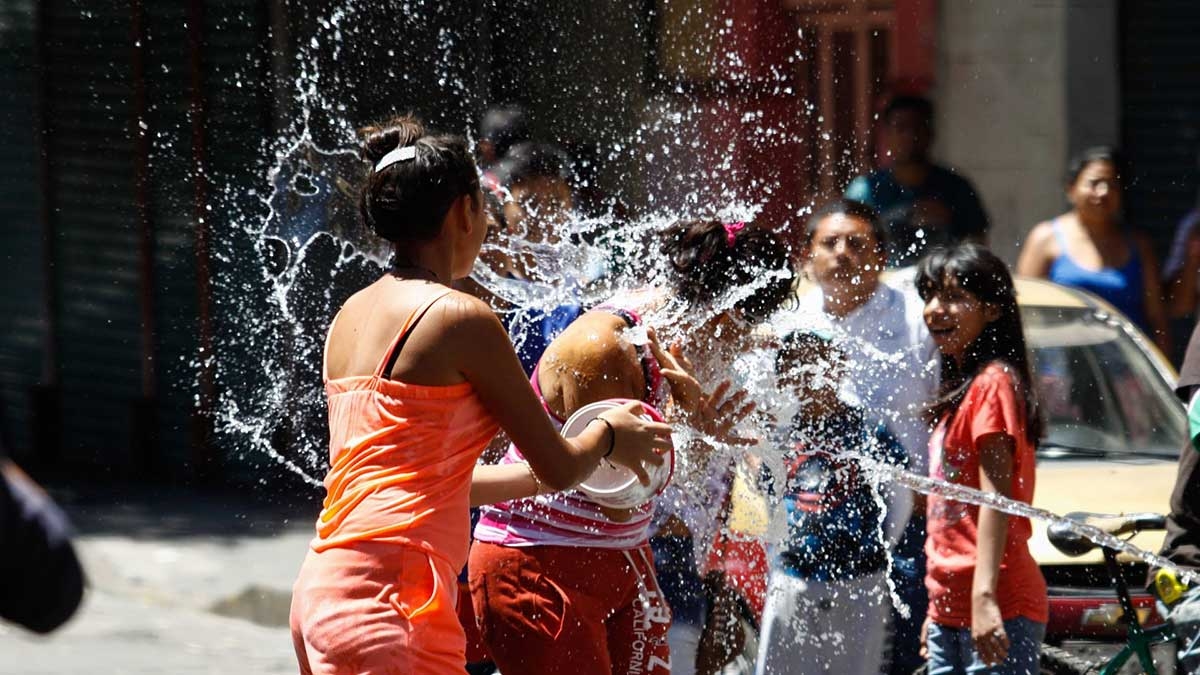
(540, 202)
(923, 204)
(827, 604)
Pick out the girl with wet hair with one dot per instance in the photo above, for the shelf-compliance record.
(987, 597)
(419, 378)
(562, 584)
(1090, 248)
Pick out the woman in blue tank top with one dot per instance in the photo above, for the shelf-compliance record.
(1088, 248)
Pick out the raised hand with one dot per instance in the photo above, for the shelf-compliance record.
(715, 414)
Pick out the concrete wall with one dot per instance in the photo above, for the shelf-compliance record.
(1021, 86)
(1002, 108)
(1093, 75)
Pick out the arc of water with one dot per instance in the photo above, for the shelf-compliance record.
(962, 493)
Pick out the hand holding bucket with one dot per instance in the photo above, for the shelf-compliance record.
(611, 484)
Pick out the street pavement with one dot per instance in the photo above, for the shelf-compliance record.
(179, 582)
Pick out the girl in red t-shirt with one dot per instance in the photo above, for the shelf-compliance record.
(987, 598)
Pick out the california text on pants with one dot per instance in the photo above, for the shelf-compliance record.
(376, 593)
(570, 610)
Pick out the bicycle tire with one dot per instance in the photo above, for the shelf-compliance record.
(1056, 661)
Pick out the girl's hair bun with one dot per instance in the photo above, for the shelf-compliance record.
(407, 200)
(384, 137)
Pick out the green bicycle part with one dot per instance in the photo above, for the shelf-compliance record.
(1140, 641)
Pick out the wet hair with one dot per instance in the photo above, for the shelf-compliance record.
(981, 273)
(533, 160)
(1099, 153)
(919, 104)
(707, 265)
(408, 200)
(798, 343)
(852, 209)
(504, 126)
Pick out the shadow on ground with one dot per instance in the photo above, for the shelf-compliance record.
(154, 512)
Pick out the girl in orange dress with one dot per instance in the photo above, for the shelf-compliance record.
(419, 378)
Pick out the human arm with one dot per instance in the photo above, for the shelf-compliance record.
(492, 483)
(715, 414)
(1037, 252)
(41, 580)
(995, 475)
(489, 363)
(1155, 308)
(1182, 266)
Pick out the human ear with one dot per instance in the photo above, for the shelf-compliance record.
(468, 209)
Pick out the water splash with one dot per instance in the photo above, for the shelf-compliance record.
(309, 253)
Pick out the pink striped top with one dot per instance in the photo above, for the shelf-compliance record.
(567, 518)
(564, 519)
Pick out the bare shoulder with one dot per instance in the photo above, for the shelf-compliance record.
(1041, 237)
(593, 346)
(355, 314)
(594, 333)
(590, 361)
(1038, 251)
(466, 305)
(465, 315)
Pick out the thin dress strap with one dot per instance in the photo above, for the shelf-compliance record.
(393, 352)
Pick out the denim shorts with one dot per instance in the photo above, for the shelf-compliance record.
(951, 651)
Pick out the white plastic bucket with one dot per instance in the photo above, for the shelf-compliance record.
(613, 485)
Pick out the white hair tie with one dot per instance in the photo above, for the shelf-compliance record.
(401, 154)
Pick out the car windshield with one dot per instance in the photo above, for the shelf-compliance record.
(1099, 391)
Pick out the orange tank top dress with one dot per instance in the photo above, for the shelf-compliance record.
(376, 593)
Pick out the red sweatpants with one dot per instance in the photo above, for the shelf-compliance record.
(576, 611)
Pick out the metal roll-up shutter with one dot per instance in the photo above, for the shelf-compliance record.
(1161, 110)
(169, 97)
(88, 51)
(239, 114)
(22, 299)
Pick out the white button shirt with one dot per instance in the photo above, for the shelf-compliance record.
(893, 363)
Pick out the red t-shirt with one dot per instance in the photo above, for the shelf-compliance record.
(992, 404)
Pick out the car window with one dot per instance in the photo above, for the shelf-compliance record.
(1097, 388)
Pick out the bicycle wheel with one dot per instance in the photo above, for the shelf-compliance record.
(1055, 661)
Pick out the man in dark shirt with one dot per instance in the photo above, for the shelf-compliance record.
(923, 205)
(1182, 544)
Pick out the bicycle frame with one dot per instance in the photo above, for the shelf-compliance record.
(1139, 639)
